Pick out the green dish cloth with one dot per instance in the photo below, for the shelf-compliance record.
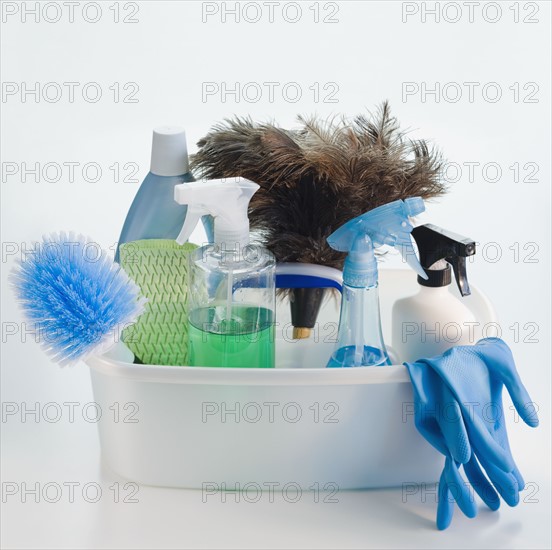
(160, 268)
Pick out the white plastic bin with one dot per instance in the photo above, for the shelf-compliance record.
(299, 423)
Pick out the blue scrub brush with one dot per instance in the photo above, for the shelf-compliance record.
(76, 297)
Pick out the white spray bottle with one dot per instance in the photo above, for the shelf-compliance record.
(231, 320)
(434, 320)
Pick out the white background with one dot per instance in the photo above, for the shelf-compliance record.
(372, 51)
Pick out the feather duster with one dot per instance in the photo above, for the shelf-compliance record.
(316, 177)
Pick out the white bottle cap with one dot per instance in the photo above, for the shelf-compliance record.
(169, 152)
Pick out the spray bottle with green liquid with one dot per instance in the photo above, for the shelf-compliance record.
(232, 282)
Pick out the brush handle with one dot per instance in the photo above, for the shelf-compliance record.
(308, 284)
(301, 275)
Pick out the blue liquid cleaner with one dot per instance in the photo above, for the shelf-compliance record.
(345, 357)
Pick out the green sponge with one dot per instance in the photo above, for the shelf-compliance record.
(160, 268)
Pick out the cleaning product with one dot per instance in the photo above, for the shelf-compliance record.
(313, 179)
(434, 319)
(360, 341)
(160, 268)
(153, 213)
(76, 298)
(232, 283)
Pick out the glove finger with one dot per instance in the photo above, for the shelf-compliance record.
(502, 438)
(521, 399)
(459, 489)
(487, 446)
(519, 478)
(445, 506)
(451, 424)
(501, 362)
(481, 484)
(504, 482)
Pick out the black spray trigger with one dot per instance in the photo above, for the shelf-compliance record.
(436, 244)
(458, 264)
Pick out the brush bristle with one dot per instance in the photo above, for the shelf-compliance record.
(75, 297)
(317, 177)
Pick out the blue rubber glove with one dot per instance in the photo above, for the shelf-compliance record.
(488, 366)
(453, 488)
(476, 375)
(470, 378)
(438, 418)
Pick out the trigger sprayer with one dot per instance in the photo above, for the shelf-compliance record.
(437, 317)
(360, 341)
(226, 200)
(440, 251)
(232, 294)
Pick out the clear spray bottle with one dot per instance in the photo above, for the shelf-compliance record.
(360, 340)
(231, 320)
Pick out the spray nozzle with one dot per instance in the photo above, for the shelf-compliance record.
(436, 245)
(387, 224)
(226, 200)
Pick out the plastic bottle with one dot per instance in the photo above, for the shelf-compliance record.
(154, 214)
(434, 320)
(360, 341)
(231, 322)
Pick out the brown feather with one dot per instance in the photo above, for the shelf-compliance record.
(318, 176)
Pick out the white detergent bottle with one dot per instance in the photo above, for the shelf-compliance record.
(434, 320)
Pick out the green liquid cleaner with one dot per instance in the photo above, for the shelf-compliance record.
(245, 340)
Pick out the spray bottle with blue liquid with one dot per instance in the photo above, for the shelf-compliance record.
(360, 340)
